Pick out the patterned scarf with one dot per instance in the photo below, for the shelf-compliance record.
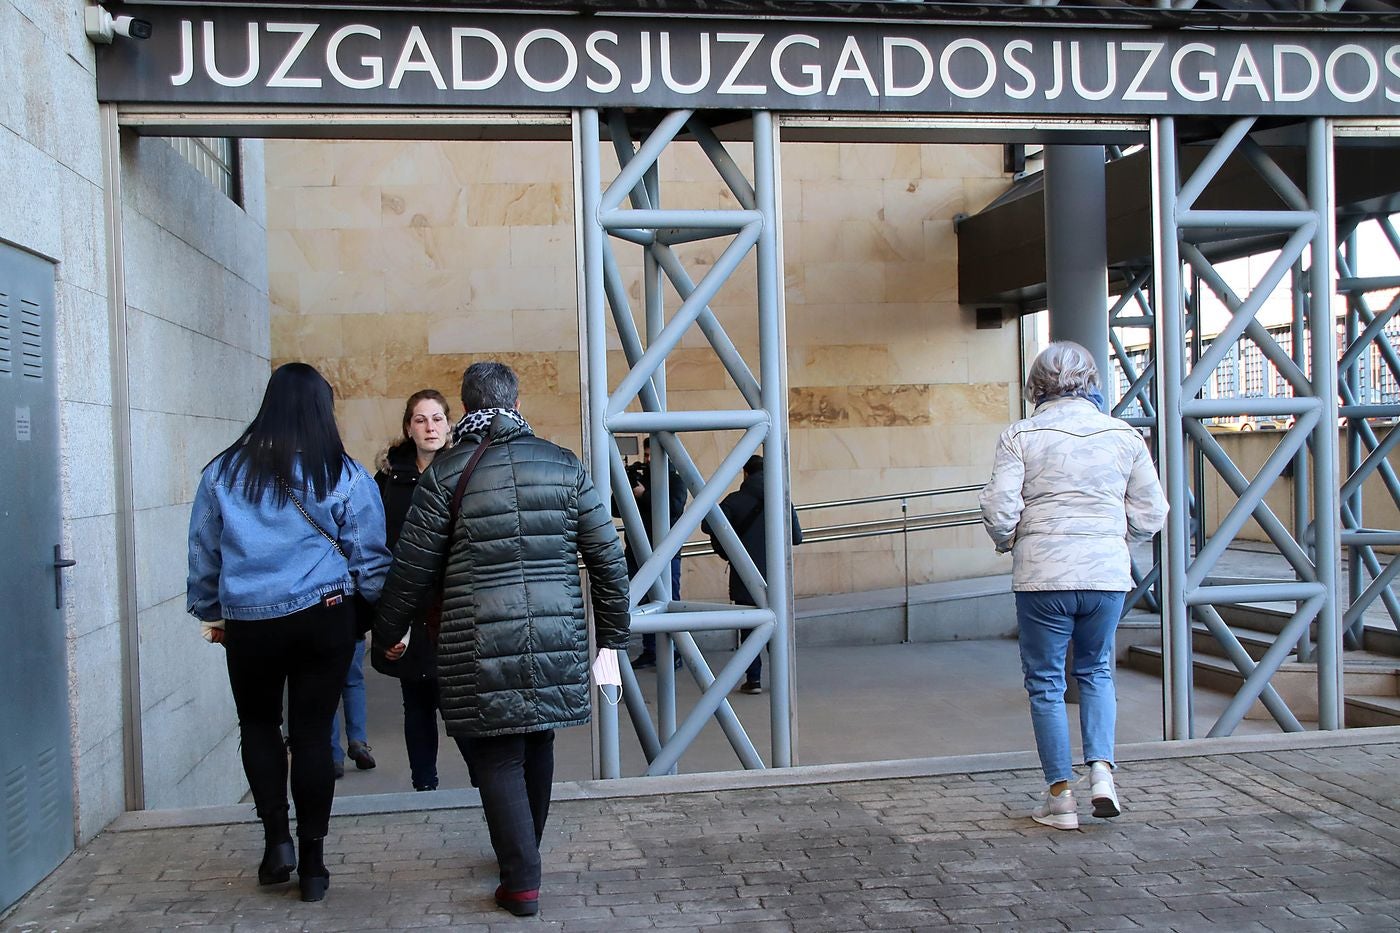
(477, 422)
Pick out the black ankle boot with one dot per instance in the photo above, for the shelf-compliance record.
(311, 870)
(279, 856)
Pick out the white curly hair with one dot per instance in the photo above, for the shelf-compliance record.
(1062, 369)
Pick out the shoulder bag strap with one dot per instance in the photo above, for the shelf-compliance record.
(462, 479)
(754, 513)
(286, 487)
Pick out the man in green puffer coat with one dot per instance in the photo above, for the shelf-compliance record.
(512, 654)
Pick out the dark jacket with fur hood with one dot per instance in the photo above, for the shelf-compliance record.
(397, 481)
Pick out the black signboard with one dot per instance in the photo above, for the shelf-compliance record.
(409, 58)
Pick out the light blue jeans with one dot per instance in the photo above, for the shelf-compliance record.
(352, 698)
(1050, 620)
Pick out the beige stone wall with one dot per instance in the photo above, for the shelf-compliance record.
(1249, 450)
(393, 265)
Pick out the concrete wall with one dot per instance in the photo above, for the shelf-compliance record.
(1250, 449)
(52, 204)
(393, 265)
(196, 304)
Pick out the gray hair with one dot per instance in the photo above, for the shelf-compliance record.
(1062, 369)
(489, 384)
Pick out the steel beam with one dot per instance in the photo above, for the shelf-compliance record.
(1182, 413)
(629, 210)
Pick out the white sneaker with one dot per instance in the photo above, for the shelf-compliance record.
(1057, 811)
(1101, 791)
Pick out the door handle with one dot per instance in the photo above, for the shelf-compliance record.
(60, 563)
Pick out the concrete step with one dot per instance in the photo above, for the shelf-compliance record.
(1372, 683)
(1372, 711)
(1254, 643)
(1271, 618)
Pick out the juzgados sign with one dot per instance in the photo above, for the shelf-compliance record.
(313, 57)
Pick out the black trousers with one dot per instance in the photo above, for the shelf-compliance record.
(307, 655)
(420, 729)
(515, 774)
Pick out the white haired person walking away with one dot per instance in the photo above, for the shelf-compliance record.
(499, 523)
(1069, 486)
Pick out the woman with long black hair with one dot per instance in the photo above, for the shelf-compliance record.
(286, 529)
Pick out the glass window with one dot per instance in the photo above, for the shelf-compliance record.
(216, 158)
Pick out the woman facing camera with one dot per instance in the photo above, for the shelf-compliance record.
(286, 530)
(1069, 486)
(425, 431)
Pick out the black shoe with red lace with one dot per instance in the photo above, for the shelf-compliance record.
(520, 903)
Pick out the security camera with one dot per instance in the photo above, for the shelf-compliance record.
(102, 26)
(131, 27)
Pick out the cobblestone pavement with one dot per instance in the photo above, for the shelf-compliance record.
(1292, 839)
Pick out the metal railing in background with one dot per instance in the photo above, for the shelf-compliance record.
(903, 525)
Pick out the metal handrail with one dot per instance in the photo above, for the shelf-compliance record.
(891, 497)
(873, 529)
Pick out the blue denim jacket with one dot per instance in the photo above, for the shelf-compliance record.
(253, 560)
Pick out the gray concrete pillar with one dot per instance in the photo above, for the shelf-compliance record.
(1076, 265)
(1076, 249)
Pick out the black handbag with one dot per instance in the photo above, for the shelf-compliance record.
(362, 609)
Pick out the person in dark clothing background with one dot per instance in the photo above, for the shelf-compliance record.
(426, 427)
(640, 476)
(744, 509)
(513, 645)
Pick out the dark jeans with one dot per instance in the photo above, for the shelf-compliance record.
(754, 674)
(420, 729)
(514, 774)
(649, 639)
(306, 654)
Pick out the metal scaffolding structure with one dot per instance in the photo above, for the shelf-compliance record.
(1313, 554)
(1164, 394)
(605, 225)
(1368, 336)
(1367, 355)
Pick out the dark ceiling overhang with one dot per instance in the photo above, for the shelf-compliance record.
(1001, 250)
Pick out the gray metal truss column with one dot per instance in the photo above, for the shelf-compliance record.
(639, 404)
(1371, 340)
(1132, 309)
(1306, 221)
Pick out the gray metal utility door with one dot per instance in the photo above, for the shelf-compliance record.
(36, 779)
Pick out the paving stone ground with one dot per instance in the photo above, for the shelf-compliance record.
(1298, 839)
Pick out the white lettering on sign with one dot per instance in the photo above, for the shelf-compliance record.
(989, 62)
(813, 72)
(1282, 70)
(1134, 91)
(1373, 76)
(280, 77)
(374, 63)
(23, 424)
(254, 58)
(498, 48)
(445, 59)
(596, 55)
(1022, 69)
(892, 88)
(730, 84)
